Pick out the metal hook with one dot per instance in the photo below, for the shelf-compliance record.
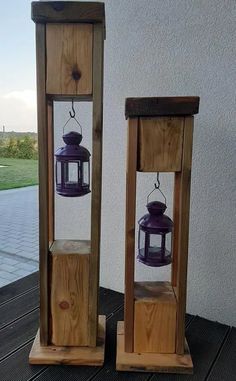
(156, 186)
(72, 116)
(73, 110)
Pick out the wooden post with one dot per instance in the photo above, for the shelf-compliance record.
(43, 181)
(130, 224)
(175, 238)
(152, 337)
(184, 205)
(98, 41)
(69, 53)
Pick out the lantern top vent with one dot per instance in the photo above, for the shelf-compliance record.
(72, 138)
(156, 222)
(156, 207)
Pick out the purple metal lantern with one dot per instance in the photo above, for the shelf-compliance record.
(72, 167)
(155, 231)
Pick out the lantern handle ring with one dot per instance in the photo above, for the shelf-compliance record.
(156, 187)
(72, 116)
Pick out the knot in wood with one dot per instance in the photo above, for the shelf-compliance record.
(76, 74)
(64, 305)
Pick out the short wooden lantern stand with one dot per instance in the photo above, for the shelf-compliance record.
(152, 336)
(69, 53)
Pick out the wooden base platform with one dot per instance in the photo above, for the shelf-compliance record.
(150, 362)
(56, 355)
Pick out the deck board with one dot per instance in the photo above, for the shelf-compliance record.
(18, 287)
(19, 306)
(212, 345)
(224, 368)
(18, 333)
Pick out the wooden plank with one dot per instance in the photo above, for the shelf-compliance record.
(18, 307)
(151, 290)
(161, 106)
(71, 355)
(69, 299)
(130, 225)
(98, 49)
(224, 368)
(68, 97)
(43, 179)
(68, 11)
(175, 234)
(61, 246)
(51, 212)
(18, 333)
(21, 286)
(160, 144)
(205, 340)
(154, 317)
(69, 59)
(150, 362)
(184, 205)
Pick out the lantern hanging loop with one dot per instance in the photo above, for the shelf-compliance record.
(72, 116)
(156, 187)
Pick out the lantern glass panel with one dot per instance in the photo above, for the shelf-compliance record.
(86, 174)
(73, 169)
(160, 244)
(141, 241)
(58, 172)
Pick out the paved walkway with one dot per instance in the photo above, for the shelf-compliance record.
(18, 233)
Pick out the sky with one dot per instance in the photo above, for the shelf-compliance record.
(17, 67)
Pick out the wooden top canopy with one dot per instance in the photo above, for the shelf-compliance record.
(67, 12)
(161, 106)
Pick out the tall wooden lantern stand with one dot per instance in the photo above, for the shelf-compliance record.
(152, 336)
(69, 54)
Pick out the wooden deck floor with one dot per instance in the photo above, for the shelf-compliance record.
(212, 345)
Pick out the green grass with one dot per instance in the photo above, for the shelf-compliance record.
(18, 173)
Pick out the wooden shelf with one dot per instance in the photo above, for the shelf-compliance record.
(61, 246)
(149, 291)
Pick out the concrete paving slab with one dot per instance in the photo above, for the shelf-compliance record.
(18, 233)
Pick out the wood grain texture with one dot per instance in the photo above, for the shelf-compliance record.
(184, 206)
(67, 11)
(160, 144)
(43, 180)
(71, 355)
(130, 224)
(154, 317)
(69, 299)
(150, 362)
(161, 106)
(69, 59)
(98, 51)
(175, 234)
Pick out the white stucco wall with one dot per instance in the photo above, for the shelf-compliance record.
(170, 48)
